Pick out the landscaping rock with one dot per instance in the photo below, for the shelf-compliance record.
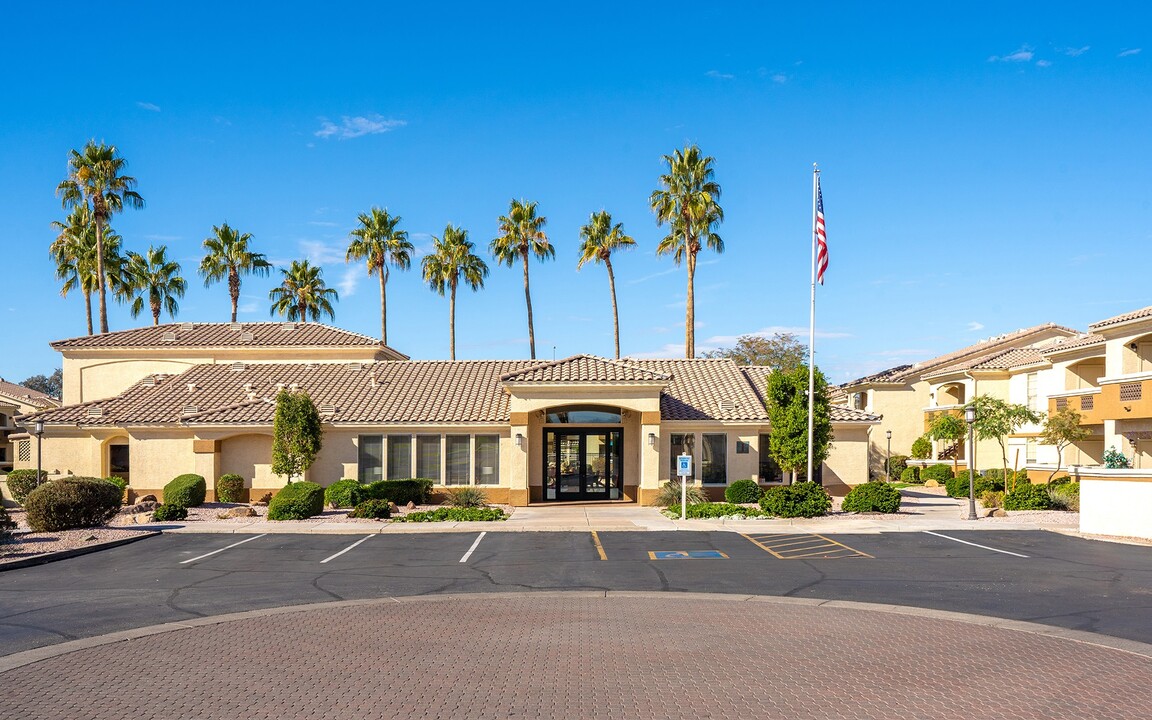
(237, 512)
(996, 512)
(392, 505)
(146, 498)
(931, 483)
(411, 505)
(140, 507)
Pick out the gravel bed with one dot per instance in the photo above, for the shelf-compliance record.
(27, 544)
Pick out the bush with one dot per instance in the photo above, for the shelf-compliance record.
(911, 475)
(187, 490)
(454, 514)
(743, 491)
(958, 486)
(22, 482)
(374, 509)
(118, 482)
(670, 494)
(401, 492)
(72, 502)
(707, 510)
(296, 501)
(802, 499)
(992, 498)
(1062, 480)
(169, 513)
(896, 465)
(872, 497)
(230, 488)
(1028, 497)
(1113, 458)
(466, 497)
(922, 448)
(341, 494)
(939, 472)
(7, 525)
(996, 476)
(1065, 497)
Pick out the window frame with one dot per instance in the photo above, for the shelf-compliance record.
(690, 446)
(705, 451)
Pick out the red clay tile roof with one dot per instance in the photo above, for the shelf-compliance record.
(27, 396)
(1116, 320)
(1060, 345)
(586, 368)
(203, 335)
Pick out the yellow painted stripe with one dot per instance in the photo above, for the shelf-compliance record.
(795, 550)
(599, 547)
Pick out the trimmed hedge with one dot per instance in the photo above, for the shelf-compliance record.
(296, 501)
(872, 497)
(743, 491)
(188, 490)
(168, 513)
(341, 493)
(1065, 496)
(7, 525)
(940, 472)
(802, 499)
(958, 486)
(896, 465)
(1028, 497)
(708, 510)
(22, 482)
(401, 492)
(230, 488)
(453, 514)
(911, 474)
(374, 509)
(72, 502)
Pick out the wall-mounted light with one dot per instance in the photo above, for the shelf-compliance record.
(520, 440)
(652, 439)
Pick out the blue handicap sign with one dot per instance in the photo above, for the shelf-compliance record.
(687, 555)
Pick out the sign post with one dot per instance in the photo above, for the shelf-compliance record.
(684, 470)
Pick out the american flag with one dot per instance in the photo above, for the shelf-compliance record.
(821, 236)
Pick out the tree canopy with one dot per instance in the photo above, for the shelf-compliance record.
(786, 400)
(52, 385)
(296, 434)
(780, 351)
(1063, 429)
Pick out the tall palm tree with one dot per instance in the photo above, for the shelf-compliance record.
(154, 279)
(521, 235)
(74, 251)
(95, 180)
(600, 238)
(378, 241)
(687, 201)
(227, 256)
(302, 292)
(450, 262)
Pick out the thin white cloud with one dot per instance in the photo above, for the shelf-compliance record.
(974, 326)
(162, 238)
(1130, 52)
(671, 350)
(1076, 52)
(147, 106)
(323, 223)
(1024, 54)
(716, 342)
(1043, 63)
(646, 278)
(248, 304)
(349, 280)
(318, 252)
(357, 126)
(719, 75)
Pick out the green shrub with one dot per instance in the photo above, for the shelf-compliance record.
(670, 494)
(296, 501)
(992, 498)
(896, 465)
(939, 472)
(1065, 496)
(707, 510)
(1113, 458)
(22, 482)
(341, 494)
(872, 497)
(802, 499)
(230, 488)
(72, 502)
(187, 490)
(7, 525)
(169, 513)
(401, 492)
(374, 509)
(1028, 497)
(466, 497)
(454, 514)
(1062, 480)
(922, 448)
(743, 491)
(911, 474)
(118, 482)
(957, 485)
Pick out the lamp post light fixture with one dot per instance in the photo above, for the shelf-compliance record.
(970, 418)
(888, 458)
(39, 455)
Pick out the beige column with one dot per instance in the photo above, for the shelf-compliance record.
(651, 439)
(206, 458)
(520, 448)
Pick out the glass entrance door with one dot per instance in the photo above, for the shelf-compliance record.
(582, 464)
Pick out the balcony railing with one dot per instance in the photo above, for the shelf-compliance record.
(1126, 397)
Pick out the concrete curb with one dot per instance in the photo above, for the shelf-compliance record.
(28, 657)
(76, 552)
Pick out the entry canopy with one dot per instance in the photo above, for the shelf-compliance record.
(584, 414)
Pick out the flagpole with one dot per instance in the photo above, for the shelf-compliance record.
(812, 324)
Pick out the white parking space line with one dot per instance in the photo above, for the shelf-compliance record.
(201, 557)
(366, 537)
(473, 548)
(985, 547)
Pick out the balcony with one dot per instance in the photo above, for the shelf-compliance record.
(1122, 397)
(1085, 401)
(930, 413)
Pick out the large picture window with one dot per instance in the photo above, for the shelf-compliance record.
(714, 459)
(487, 459)
(370, 458)
(428, 457)
(399, 457)
(457, 451)
(682, 444)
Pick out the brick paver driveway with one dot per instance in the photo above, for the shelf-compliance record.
(569, 655)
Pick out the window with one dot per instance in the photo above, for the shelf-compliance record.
(118, 460)
(487, 459)
(370, 458)
(769, 470)
(399, 457)
(714, 463)
(583, 414)
(428, 457)
(457, 449)
(682, 444)
(1032, 377)
(24, 451)
(1030, 450)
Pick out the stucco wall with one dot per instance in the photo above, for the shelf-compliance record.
(88, 379)
(1120, 506)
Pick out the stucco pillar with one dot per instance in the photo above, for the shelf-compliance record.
(206, 459)
(651, 439)
(518, 454)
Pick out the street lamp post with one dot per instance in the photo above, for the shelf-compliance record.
(888, 458)
(970, 418)
(39, 454)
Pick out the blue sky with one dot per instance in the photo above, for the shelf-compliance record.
(984, 168)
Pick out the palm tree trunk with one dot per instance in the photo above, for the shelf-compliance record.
(383, 307)
(615, 317)
(690, 310)
(88, 308)
(452, 323)
(234, 290)
(302, 311)
(155, 312)
(528, 300)
(100, 280)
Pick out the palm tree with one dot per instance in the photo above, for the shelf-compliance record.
(687, 201)
(302, 292)
(154, 277)
(74, 251)
(600, 238)
(522, 233)
(380, 243)
(95, 181)
(228, 256)
(450, 262)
